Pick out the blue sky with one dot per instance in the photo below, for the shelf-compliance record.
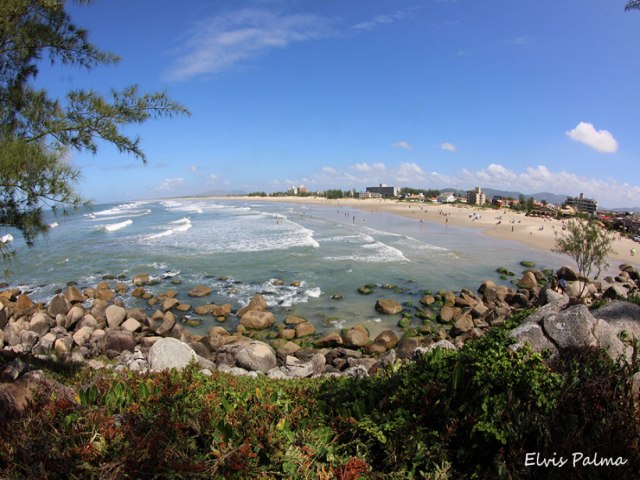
(527, 96)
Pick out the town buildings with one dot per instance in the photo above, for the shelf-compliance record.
(476, 197)
(582, 204)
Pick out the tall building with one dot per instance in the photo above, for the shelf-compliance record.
(384, 190)
(476, 197)
(582, 204)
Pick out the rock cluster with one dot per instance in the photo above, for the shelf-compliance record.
(82, 326)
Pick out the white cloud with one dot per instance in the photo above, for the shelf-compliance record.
(213, 177)
(218, 43)
(329, 170)
(366, 168)
(600, 140)
(402, 144)
(450, 147)
(169, 184)
(193, 168)
(608, 192)
(379, 20)
(409, 172)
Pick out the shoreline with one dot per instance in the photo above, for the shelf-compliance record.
(537, 233)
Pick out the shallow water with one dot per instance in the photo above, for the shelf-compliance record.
(238, 248)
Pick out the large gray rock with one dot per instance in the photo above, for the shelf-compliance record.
(607, 338)
(295, 368)
(572, 327)
(256, 356)
(532, 334)
(622, 316)
(168, 353)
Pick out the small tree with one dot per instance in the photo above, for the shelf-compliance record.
(588, 244)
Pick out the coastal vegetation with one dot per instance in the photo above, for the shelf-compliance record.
(469, 413)
(588, 244)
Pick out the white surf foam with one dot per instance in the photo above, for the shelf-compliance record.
(113, 227)
(182, 227)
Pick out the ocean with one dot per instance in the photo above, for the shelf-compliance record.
(240, 248)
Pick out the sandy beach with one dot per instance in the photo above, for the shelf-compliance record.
(537, 233)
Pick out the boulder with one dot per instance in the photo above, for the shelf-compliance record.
(23, 302)
(74, 295)
(117, 341)
(427, 300)
(331, 339)
(528, 281)
(607, 338)
(257, 303)
(568, 273)
(115, 315)
(98, 309)
(105, 294)
(256, 356)
(288, 348)
(446, 314)
(204, 309)
(39, 323)
(73, 316)
(257, 320)
(304, 329)
(82, 335)
(388, 307)
(58, 305)
(169, 353)
(168, 322)
(571, 327)
(463, 325)
(131, 325)
(200, 291)
(169, 303)
(387, 339)
(407, 346)
(221, 310)
(44, 345)
(532, 334)
(355, 337)
(141, 279)
(63, 345)
(293, 320)
(622, 316)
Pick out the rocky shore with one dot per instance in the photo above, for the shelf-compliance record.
(95, 328)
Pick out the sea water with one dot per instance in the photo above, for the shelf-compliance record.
(241, 248)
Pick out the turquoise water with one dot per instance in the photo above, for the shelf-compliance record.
(238, 248)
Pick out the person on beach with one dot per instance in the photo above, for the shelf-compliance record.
(562, 285)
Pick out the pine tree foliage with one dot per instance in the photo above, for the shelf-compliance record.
(633, 5)
(37, 131)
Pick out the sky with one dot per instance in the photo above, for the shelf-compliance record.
(508, 94)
